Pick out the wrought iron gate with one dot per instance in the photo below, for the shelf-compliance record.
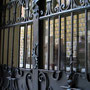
(59, 34)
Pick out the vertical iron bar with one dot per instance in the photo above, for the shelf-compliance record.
(54, 42)
(12, 54)
(59, 46)
(4, 16)
(3, 46)
(28, 8)
(25, 46)
(19, 47)
(8, 38)
(48, 43)
(86, 41)
(77, 67)
(19, 37)
(13, 34)
(71, 57)
(31, 47)
(20, 14)
(8, 45)
(65, 42)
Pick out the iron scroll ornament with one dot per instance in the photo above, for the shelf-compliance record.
(43, 78)
(81, 2)
(57, 75)
(65, 5)
(28, 78)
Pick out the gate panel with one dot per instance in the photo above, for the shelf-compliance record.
(45, 45)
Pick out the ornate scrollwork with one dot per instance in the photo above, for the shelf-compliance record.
(21, 2)
(57, 75)
(28, 77)
(8, 78)
(35, 8)
(43, 78)
(50, 88)
(81, 2)
(64, 5)
(19, 73)
(49, 7)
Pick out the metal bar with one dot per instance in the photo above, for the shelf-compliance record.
(19, 47)
(65, 42)
(3, 46)
(17, 24)
(19, 38)
(71, 57)
(8, 45)
(14, 13)
(31, 47)
(12, 54)
(65, 12)
(20, 13)
(54, 42)
(25, 46)
(8, 38)
(48, 16)
(4, 16)
(86, 41)
(59, 46)
(13, 35)
(27, 10)
(77, 43)
(48, 43)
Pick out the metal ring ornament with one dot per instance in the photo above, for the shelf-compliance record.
(66, 6)
(81, 2)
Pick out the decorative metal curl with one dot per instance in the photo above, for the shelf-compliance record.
(81, 2)
(57, 75)
(49, 7)
(21, 2)
(62, 6)
(28, 77)
(50, 88)
(43, 78)
(35, 2)
(6, 85)
(19, 73)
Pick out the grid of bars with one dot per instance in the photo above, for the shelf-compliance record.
(16, 35)
(68, 30)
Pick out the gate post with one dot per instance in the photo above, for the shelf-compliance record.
(35, 43)
(38, 10)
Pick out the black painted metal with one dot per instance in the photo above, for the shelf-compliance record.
(38, 78)
(59, 51)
